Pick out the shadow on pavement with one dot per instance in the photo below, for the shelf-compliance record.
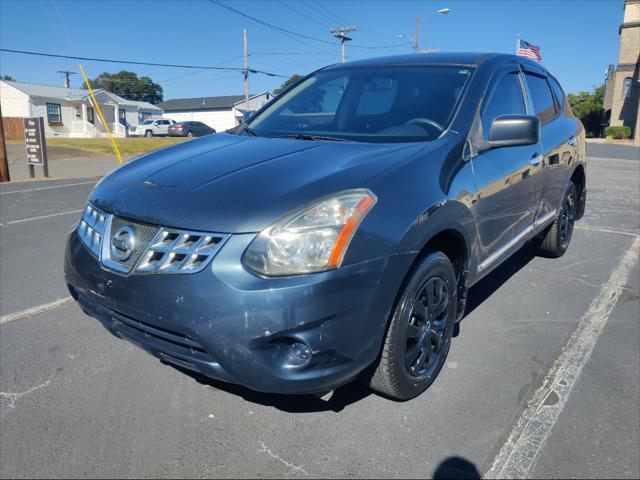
(456, 467)
(342, 397)
(492, 282)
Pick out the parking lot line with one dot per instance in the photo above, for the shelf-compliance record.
(27, 190)
(42, 217)
(518, 455)
(589, 228)
(29, 312)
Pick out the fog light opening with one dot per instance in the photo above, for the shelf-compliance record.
(301, 351)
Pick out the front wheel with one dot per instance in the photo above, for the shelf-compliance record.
(419, 335)
(557, 238)
(148, 134)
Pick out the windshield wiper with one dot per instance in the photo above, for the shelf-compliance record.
(244, 128)
(308, 136)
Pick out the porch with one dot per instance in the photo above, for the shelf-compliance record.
(88, 124)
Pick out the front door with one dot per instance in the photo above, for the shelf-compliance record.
(505, 207)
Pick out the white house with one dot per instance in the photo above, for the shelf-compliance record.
(69, 112)
(220, 113)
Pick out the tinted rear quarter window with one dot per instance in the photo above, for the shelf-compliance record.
(505, 99)
(543, 105)
(557, 91)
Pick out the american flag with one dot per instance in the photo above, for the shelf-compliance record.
(529, 50)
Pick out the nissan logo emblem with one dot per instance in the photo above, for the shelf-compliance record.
(123, 242)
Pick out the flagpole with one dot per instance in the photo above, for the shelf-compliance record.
(517, 42)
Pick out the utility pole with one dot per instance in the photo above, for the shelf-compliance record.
(4, 164)
(66, 74)
(245, 72)
(339, 33)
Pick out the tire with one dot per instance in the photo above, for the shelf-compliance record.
(148, 134)
(555, 241)
(189, 134)
(419, 334)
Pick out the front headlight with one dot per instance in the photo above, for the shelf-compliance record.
(311, 239)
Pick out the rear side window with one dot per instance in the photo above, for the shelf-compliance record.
(557, 91)
(506, 99)
(541, 95)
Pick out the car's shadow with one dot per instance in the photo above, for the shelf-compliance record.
(343, 396)
(356, 391)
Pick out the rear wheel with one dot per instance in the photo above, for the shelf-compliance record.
(189, 134)
(419, 335)
(557, 238)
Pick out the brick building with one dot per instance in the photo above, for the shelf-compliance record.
(622, 88)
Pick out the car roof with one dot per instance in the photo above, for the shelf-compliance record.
(439, 58)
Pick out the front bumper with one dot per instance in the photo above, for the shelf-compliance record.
(231, 325)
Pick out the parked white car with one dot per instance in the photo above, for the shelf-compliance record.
(151, 128)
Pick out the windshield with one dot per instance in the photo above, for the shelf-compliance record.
(147, 122)
(367, 104)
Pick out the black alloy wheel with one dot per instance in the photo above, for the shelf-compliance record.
(567, 217)
(426, 327)
(555, 240)
(419, 334)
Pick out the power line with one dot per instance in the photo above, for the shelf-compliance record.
(291, 7)
(270, 25)
(330, 16)
(287, 32)
(131, 62)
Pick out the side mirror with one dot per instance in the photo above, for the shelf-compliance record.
(247, 115)
(512, 130)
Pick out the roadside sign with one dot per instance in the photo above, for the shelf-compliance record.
(35, 144)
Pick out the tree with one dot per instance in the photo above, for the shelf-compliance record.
(290, 81)
(588, 107)
(8, 77)
(129, 86)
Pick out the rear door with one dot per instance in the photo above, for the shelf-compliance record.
(505, 188)
(557, 139)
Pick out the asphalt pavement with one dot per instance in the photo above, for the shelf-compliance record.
(77, 402)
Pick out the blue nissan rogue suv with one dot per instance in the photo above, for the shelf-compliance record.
(336, 232)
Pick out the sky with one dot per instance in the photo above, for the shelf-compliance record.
(578, 39)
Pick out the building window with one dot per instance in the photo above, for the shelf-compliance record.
(144, 116)
(54, 114)
(90, 115)
(626, 87)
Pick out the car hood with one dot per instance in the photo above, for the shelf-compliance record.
(238, 184)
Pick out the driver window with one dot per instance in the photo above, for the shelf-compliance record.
(505, 99)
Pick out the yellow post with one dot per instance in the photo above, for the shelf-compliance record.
(95, 103)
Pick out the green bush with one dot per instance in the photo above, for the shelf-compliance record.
(619, 133)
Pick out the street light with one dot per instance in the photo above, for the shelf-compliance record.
(419, 20)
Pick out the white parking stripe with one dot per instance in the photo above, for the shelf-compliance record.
(42, 217)
(589, 228)
(29, 312)
(519, 454)
(48, 188)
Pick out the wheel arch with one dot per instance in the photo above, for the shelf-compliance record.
(448, 227)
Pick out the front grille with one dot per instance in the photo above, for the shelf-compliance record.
(153, 249)
(144, 234)
(179, 251)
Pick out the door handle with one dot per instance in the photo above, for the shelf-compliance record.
(572, 141)
(535, 159)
